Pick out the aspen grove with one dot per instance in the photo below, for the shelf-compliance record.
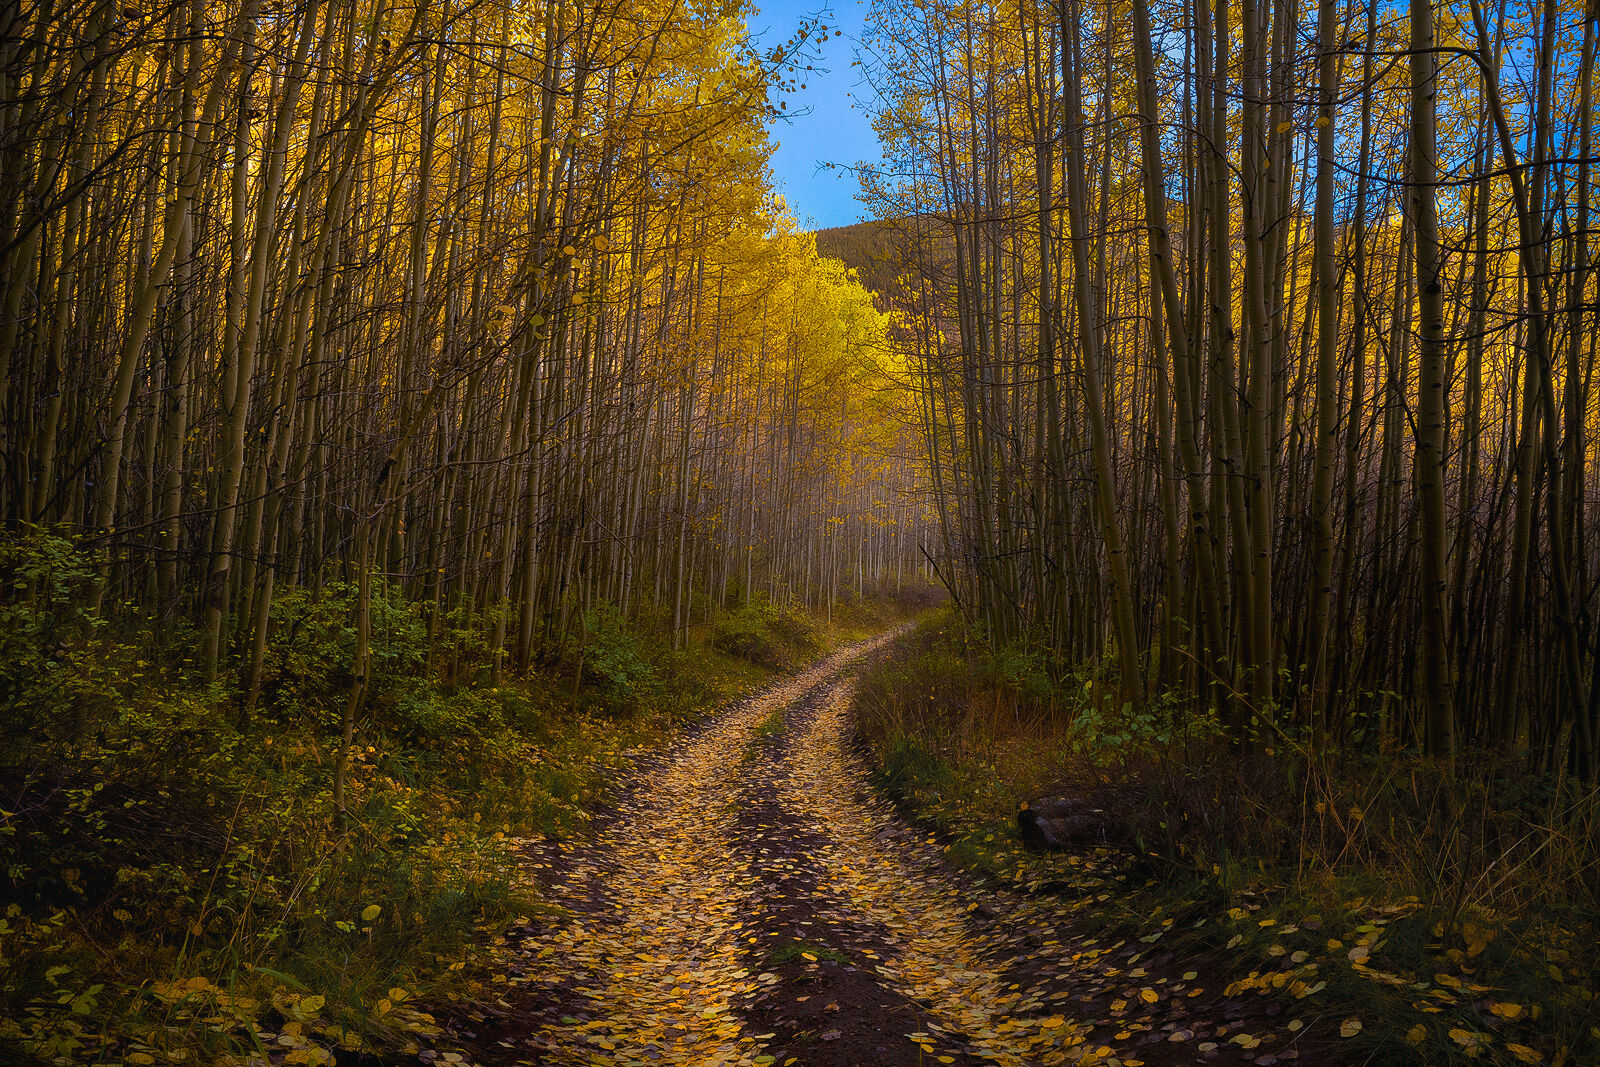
(1256, 345)
(492, 300)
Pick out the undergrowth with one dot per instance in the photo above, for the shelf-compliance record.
(176, 883)
(1456, 915)
(778, 638)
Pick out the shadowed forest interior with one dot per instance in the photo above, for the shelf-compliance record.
(422, 421)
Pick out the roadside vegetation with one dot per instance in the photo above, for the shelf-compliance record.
(183, 883)
(1439, 917)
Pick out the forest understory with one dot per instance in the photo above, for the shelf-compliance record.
(1410, 916)
(181, 885)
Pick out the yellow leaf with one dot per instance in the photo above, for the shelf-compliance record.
(1149, 996)
(1416, 1035)
(1462, 1037)
(1525, 1054)
(370, 912)
(1350, 1028)
(140, 1057)
(312, 1004)
(1506, 1010)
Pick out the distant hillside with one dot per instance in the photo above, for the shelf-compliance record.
(871, 249)
(881, 251)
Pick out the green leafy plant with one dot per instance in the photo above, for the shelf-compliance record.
(613, 659)
(766, 635)
(57, 669)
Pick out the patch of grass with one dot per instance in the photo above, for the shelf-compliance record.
(766, 730)
(804, 951)
(1457, 917)
(857, 618)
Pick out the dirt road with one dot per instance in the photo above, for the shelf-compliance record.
(751, 902)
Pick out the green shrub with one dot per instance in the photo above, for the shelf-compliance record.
(612, 659)
(778, 639)
(311, 651)
(58, 669)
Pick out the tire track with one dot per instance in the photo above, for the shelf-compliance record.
(891, 880)
(663, 964)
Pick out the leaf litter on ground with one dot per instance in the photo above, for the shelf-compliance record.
(663, 957)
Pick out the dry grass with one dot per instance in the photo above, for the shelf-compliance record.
(1489, 875)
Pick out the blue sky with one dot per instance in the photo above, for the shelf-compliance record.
(832, 132)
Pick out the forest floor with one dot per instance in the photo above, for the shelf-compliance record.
(748, 899)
